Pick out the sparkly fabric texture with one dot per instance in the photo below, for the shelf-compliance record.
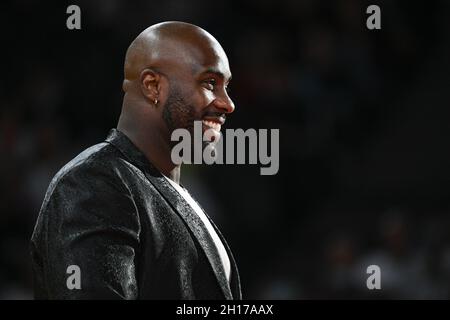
(132, 235)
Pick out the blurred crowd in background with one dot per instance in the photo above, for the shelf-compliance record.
(363, 116)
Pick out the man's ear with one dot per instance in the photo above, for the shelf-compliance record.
(150, 85)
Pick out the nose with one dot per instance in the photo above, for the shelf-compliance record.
(224, 103)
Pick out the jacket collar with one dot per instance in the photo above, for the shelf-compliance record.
(184, 210)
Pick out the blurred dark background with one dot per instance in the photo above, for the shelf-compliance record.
(364, 124)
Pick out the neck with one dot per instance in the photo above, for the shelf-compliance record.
(152, 144)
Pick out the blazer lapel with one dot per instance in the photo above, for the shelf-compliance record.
(196, 226)
(179, 205)
(235, 279)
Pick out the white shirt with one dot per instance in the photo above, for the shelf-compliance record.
(219, 245)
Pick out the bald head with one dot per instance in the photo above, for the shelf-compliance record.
(169, 46)
(175, 74)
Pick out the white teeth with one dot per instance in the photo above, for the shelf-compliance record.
(213, 125)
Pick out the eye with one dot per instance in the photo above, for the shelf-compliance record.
(210, 84)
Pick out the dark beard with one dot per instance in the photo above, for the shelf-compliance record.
(177, 113)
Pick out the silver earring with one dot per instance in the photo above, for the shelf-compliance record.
(156, 102)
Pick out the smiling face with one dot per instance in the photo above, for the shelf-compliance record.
(175, 73)
(198, 91)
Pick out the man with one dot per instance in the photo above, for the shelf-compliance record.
(115, 218)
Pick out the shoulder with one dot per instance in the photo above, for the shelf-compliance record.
(100, 160)
(99, 157)
(97, 167)
(91, 188)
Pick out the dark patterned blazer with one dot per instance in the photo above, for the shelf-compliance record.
(132, 235)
